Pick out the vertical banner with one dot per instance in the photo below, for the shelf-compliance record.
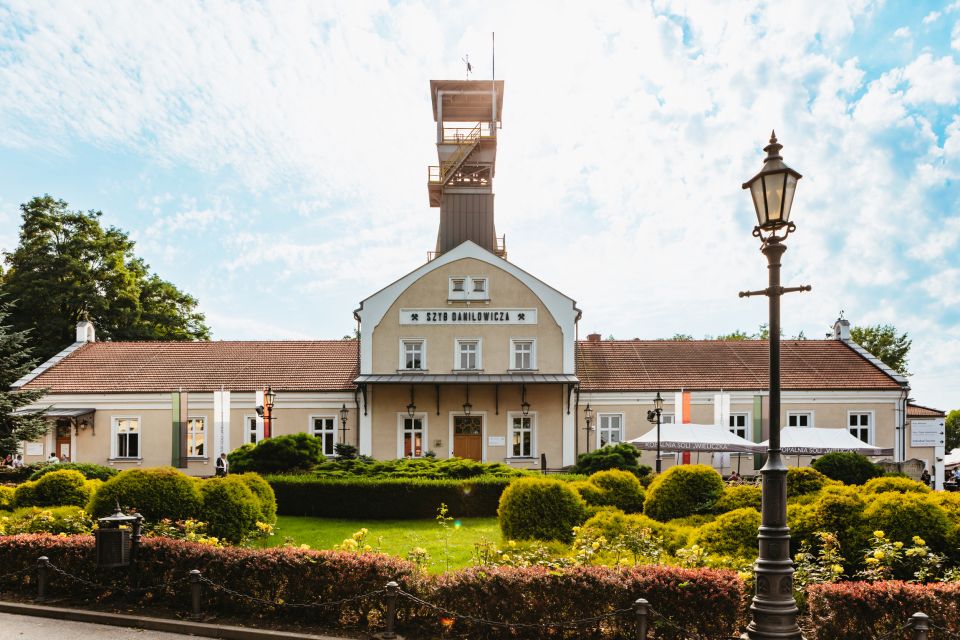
(721, 417)
(175, 434)
(184, 421)
(258, 402)
(221, 423)
(681, 405)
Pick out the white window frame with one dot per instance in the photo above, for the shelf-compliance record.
(534, 454)
(456, 353)
(801, 413)
(871, 426)
(622, 429)
(747, 424)
(483, 293)
(115, 438)
(424, 430)
(668, 418)
(463, 280)
(468, 292)
(403, 354)
(258, 428)
(312, 430)
(513, 351)
(206, 437)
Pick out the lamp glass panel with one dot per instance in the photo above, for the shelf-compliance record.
(756, 193)
(791, 188)
(773, 188)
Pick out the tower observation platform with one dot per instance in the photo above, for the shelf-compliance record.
(468, 116)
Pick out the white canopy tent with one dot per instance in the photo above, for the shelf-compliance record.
(695, 437)
(816, 441)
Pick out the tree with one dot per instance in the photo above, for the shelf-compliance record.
(736, 336)
(67, 267)
(15, 362)
(952, 425)
(681, 337)
(883, 342)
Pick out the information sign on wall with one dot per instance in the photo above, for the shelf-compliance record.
(468, 316)
(927, 433)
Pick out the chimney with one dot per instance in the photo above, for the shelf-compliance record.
(593, 337)
(86, 332)
(841, 329)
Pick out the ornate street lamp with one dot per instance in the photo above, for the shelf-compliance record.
(773, 611)
(524, 405)
(467, 407)
(411, 408)
(343, 423)
(266, 411)
(653, 416)
(588, 418)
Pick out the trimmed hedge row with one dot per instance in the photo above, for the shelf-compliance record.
(713, 602)
(385, 498)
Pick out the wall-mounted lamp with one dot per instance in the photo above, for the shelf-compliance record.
(524, 405)
(411, 408)
(467, 407)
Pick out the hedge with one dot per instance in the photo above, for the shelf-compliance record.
(712, 602)
(89, 470)
(857, 610)
(385, 498)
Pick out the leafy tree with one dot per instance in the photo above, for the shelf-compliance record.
(952, 425)
(883, 342)
(67, 266)
(736, 335)
(15, 362)
(681, 337)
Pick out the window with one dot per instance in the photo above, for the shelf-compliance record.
(799, 418)
(738, 424)
(479, 285)
(468, 288)
(127, 437)
(860, 424)
(196, 437)
(412, 436)
(413, 355)
(610, 429)
(521, 436)
(468, 354)
(253, 433)
(456, 284)
(523, 354)
(325, 428)
(667, 418)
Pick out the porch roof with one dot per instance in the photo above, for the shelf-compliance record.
(468, 378)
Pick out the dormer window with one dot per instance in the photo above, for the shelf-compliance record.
(479, 285)
(468, 288)
(456, 284)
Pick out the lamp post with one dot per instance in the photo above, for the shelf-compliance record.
(266, 411)
(653, 416)
(588, 418)
(773, 611)
(343, 423)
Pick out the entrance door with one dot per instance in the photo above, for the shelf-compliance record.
(62, 445)
(468, 437)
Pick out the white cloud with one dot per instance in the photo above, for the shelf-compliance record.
(931, 17)
(902, 32)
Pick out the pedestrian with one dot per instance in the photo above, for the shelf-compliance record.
(734, 477)
(18, 462)
(956, 475)
(925, 477)
(223, 465)
(53, 459)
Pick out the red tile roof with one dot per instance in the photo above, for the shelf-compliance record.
(917, 411)
(294, 365)
(651, 365)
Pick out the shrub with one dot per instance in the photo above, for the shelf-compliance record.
(57, 488)
(802, 481)
(16, 475)
(230, 508)
(6, 498)
(738, 496)
(888, 484)
(386, 498)
(611, 523)
(904, 515)
(279, 454)
(847, 467)
(856, 610)
(157, 493)
(54, 520)
(263, 492)
(732, 534)
(614, 488)
(840, 510)
(682, 491)
(619, 456)
(89, 470)
(540, 509)
(425, 468)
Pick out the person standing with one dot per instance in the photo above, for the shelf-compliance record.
(925, 477)
(223, 465)
(18, 461)
(53, 459)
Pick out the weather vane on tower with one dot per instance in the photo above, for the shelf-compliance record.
(466, 61)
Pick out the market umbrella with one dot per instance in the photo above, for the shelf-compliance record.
(816, 441)
(695, 437)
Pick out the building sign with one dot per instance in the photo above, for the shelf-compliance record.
(468, 316)
(496, 441)
(927, 433)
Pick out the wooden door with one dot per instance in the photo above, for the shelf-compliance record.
(62, 443)
(468, 437)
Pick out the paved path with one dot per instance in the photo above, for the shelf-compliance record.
(13, 627)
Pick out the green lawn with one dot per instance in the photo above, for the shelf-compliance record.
(396, 537)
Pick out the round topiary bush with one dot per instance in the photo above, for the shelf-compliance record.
(89, 470)
(616, 488)
(892, 484)
(839, 510)
(263, 492)
(279, 454)
(732, 534)
(6, 498)
(611, 523)
(738, 496)
(617, 456)
(904, 515)
(58, 488)
(540, 509)
(230, 508)
(157, 493)
(803, 481)
(847, 467)
(683, 490)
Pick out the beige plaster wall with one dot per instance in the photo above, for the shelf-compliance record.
(431, 292)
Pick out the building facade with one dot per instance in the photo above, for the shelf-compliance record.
(467, 355)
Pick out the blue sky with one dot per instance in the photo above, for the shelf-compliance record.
(270, 158)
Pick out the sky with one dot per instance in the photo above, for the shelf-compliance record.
(270, 158)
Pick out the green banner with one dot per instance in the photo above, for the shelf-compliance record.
(757, 429)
